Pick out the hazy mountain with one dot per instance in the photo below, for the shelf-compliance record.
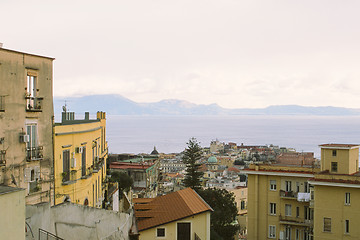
(118, 105)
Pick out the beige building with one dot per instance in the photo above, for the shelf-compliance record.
(241, 202)
(306, 202)
(336, 194)
(12, 208)
(180, 215)
(26, 113)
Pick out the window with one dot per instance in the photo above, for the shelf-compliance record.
(288, 210)
(288, 186)
(306, 187)
(347, 223)
(308, 213)
(334, 167)
(347, 198)
(2, 103)
(272, 208)
(273, 185)
(66, 166)
(334, 153)
(327, 224)
(297, 212)
(272, 231)
(242, 205)
(83, 161)
(31, 145)
(287, 233)
(31, 98)
(297, 234)
(160, 232)
(297, 187)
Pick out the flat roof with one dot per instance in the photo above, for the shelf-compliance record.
(339, 146)
(30, 54)
(7, 189)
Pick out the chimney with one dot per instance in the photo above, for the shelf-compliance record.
(87, 116)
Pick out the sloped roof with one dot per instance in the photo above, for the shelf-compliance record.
(152, 212)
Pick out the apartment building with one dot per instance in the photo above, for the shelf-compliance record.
(279, 201)
(81, 152)
(336, 200)
(306, 202)
(26, 113)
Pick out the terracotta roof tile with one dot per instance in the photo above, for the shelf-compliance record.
(168, 208)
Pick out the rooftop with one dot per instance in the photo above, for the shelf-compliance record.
(152, 212)
(337, 146)
(7, 189)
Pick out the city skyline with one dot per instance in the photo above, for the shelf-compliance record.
(238, 54)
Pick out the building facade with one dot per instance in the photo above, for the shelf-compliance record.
(26, 114)
(306, 202)
(81, 153)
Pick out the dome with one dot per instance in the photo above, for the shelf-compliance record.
(154, 152)
(212, 159)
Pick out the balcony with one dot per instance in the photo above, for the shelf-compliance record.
(34, 153)
(288, 220)
(288, 195)
(33, 104)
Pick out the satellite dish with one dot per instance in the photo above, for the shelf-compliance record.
(13, 180)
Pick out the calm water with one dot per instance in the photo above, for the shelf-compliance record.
(139, 134)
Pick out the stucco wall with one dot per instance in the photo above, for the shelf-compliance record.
(200, 224)
(12, 209)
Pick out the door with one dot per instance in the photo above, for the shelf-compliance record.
(183, 231)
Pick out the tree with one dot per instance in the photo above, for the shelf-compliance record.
(225, 212)
(123, 179)
(191, 157)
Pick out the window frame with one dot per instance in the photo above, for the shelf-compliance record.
(272, 231)
(272, 185)
(272, 209)
(334, 153)
(288, 186)
(157, 232)
(334, 167)
(347, 198)
(327, 225)
(347, 226)
(287, 210)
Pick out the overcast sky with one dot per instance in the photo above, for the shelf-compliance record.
(236, 53)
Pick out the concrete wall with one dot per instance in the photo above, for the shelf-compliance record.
(73, 221)
(12, 209)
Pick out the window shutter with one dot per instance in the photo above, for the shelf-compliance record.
(37, 172)
(27, 174)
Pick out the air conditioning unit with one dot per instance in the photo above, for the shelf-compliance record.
(24, 138)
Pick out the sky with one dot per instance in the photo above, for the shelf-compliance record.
(236, 53)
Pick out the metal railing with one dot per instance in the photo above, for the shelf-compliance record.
(47, 235)
(34, 153)
(288, 194)
(34, 104)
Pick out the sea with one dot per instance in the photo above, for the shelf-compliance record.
(169, 134)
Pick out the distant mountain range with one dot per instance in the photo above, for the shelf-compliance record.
(118, 105)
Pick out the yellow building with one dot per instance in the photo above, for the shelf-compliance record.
(279, 202)
(26, 110)
(294, 202)
(337, 193)
(12, 208)
(80, 153)
(180, 215)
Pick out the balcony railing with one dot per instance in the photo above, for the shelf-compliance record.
(288, 194)
(33, 104)
(34, 153)
(295, 221)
